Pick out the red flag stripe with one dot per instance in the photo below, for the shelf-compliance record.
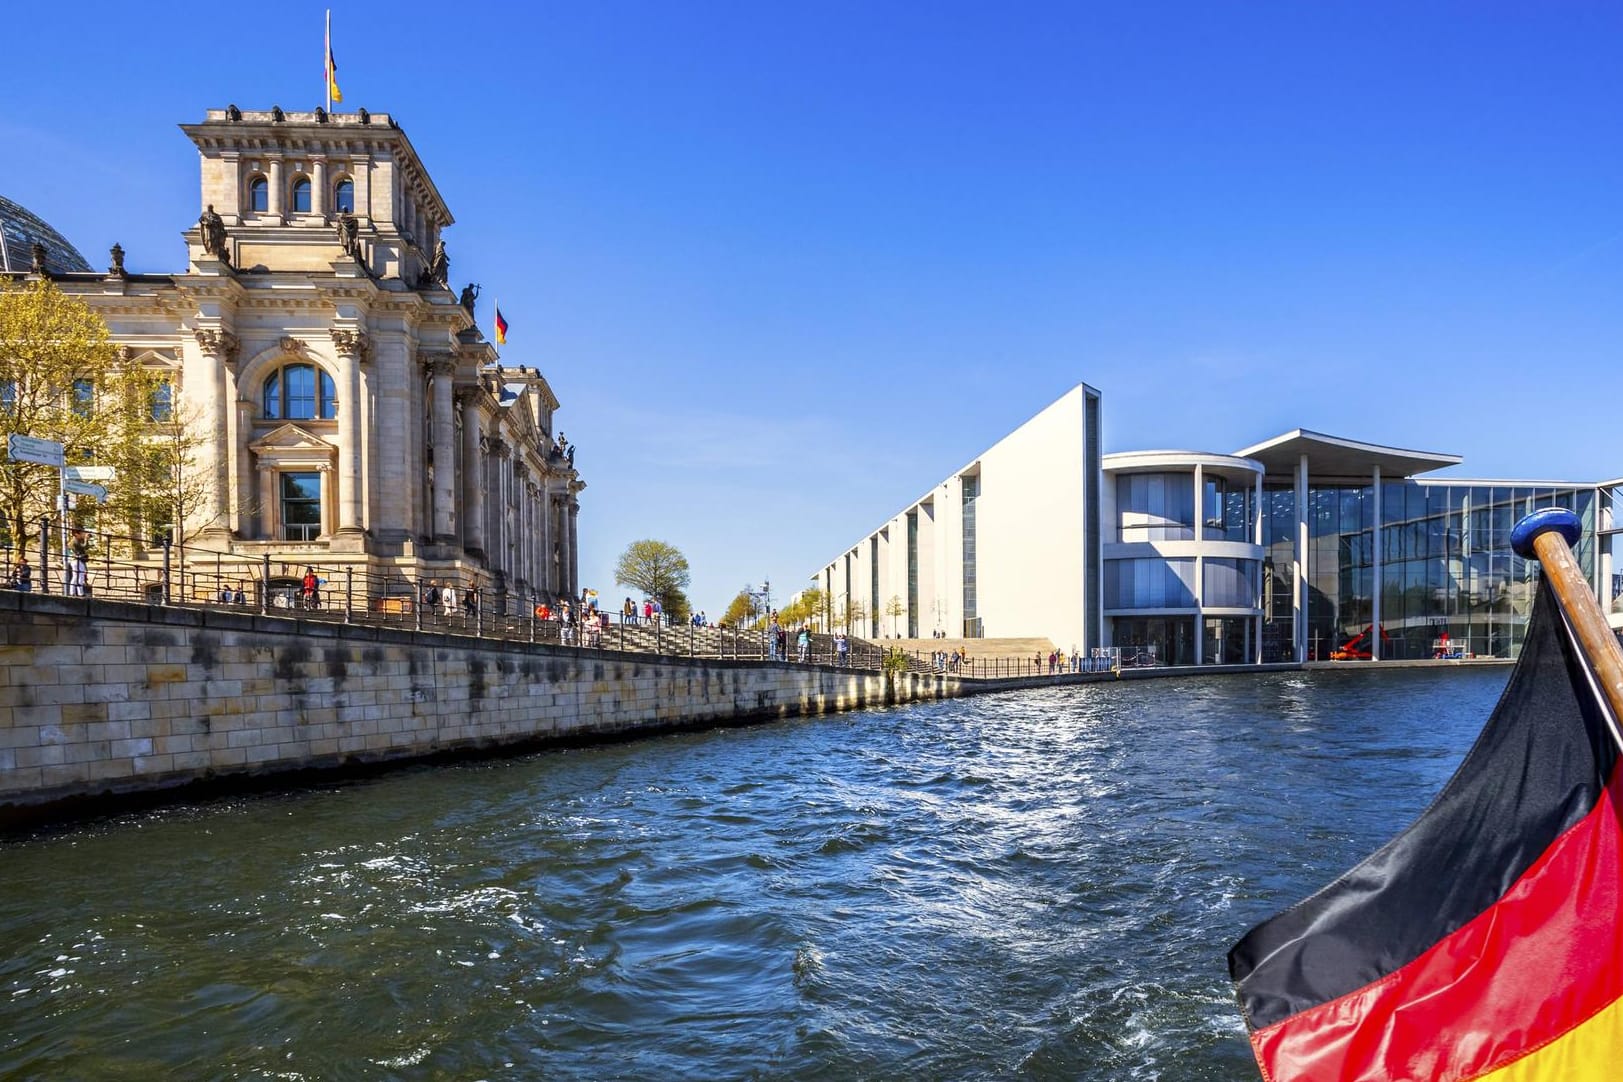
(1535, 965)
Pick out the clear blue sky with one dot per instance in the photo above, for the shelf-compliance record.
(787, 266)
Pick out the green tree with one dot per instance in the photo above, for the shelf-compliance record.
(659, 570)
(895, 610)
(741, 610)
(61, 379)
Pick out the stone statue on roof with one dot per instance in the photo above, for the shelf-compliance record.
(349, 234)
(470, 293)
(212, 227)
(439, 267)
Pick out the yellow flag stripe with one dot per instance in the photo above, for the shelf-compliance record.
(1586, 1053)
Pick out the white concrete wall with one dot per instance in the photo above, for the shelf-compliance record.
(1030, 520)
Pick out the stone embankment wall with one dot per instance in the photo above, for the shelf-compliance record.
(104, 697)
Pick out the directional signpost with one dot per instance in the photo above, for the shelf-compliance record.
(87, 488)
(29, 449)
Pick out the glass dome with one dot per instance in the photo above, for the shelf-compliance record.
(21, 229)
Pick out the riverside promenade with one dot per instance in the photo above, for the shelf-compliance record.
(106, 698)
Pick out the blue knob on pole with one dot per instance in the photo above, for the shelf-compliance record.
(1542, 521)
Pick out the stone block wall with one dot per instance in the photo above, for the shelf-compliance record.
(101, 697)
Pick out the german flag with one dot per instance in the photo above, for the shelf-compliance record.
(501, 328)
(1485, 941)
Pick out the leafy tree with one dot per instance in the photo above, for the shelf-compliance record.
(659, 570)
(895, 609)
(62, 379)
(741, 610)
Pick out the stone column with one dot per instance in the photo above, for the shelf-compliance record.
(218, 349)
(473, 475)
(245, 523)
(441, 367)
(273, 173)
(544, 514)
(318, 186)
(574, 549)
(270, 505)
(351, 348)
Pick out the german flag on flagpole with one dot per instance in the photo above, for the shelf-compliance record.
(1484, 943)
(501, 327)
(333, 93)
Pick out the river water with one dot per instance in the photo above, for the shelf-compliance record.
(1037, 885)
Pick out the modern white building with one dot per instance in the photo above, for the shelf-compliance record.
(1006, 545)
(1299, 547)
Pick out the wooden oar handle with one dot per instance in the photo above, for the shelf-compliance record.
(1548, 536)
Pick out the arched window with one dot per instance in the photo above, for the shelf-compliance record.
(258, 195)
(301, 195)
(300, 392)
(343, 199)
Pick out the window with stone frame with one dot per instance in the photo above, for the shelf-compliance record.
(301, 195)
(299, 392)
(343, 199)
(258, 195)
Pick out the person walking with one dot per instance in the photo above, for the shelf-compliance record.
(803, 644)
(79, 563)
(449, 602)
(842, 649)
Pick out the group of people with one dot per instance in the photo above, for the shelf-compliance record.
(778, 642)
(943, 661)
(580, 620)
(450, 600)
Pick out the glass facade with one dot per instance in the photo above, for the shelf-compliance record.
(912, 574)
(972, 623)
(1155, 507)
(1151, 582)
(1156, 640)
(1444, 564)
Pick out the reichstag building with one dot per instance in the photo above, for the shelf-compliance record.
(352, 412)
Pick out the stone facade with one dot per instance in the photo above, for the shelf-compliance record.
(351, 411)
(102, 697)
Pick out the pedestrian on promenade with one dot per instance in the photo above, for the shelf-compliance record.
(803, 642)
(79, 563)
(629, 611)
(23, 578)
(309, 589)
(842, 649)
(449, 600)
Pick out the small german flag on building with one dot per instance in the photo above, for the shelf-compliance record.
(1483, 944)
(501, 328)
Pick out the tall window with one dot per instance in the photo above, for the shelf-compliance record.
(84, 397)
(258, 195)
(301, 506)
(299, 392)
(163, 401)
(301, 196)
(8, 396)
(343, 198)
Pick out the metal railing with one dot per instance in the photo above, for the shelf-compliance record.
(449, 600)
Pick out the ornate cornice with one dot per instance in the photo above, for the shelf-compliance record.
(290, 344)
(220, 343)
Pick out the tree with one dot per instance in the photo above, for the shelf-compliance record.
(659, 570)
(895, 610)
(741, 610)
(61, 379)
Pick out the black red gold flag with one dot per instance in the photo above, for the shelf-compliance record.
(1484, 943)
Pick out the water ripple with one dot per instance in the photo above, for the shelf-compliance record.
(1039, 885)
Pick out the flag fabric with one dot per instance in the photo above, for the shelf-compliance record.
(501, 328)
(333, 93)
(1485, 942)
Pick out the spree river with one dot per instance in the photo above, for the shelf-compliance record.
(1037, 885)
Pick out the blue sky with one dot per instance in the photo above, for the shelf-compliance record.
(787, 266)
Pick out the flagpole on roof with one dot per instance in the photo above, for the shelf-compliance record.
(1547, 536)
(326, 60)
